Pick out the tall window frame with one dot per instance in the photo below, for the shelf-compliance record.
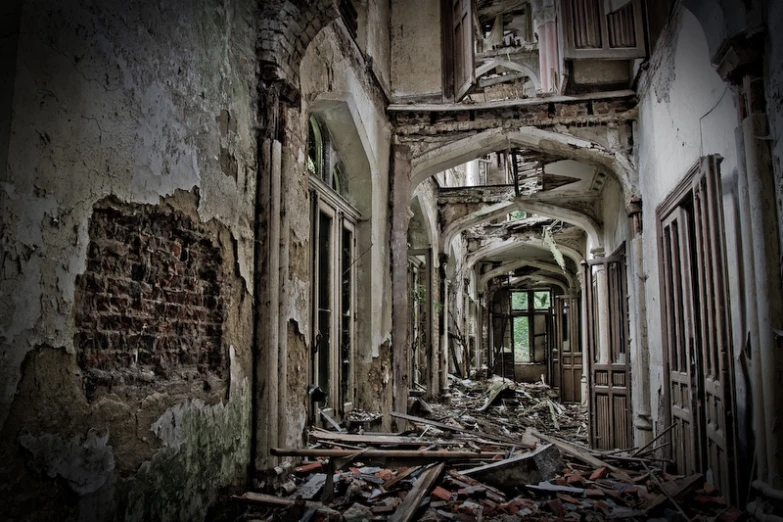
(533, 312)
(334, 226)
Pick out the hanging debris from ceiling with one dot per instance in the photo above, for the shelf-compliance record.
(549, 241)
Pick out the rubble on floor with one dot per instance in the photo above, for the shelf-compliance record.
(481, 458)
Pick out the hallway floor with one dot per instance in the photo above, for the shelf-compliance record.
(495, 451)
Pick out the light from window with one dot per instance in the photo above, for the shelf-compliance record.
(522, 339)
(541, 300)
(519, 300)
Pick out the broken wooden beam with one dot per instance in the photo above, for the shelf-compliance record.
(531, 468)
(369, 438)
(271, 500)
(494, 392)
(459, 429)
(394, 454)
(576, 451)
(400, 477)
(407, 510)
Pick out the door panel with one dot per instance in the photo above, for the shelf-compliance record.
(714, 335)
(679, 325)
(610, 385)
(696, 328)
(570, 349)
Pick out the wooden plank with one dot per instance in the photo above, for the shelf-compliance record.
(407, 510)
(492, 493)
(494, 391)
(271, 500)
(460, 429)
(368, 438)
(673, 490)
(577, 452)
(401, 454)
(329, 420)
(400, 477)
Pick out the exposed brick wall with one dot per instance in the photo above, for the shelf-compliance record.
(286, 29)
(149, 305)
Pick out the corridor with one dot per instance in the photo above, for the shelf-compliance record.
(249, 242)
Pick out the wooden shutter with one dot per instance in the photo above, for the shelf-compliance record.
(589, 31)
(464, 59)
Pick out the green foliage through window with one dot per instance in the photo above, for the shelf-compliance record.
(519, 300)
(541, 300)
(522, 339)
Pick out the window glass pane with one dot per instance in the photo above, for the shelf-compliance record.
(346, 326)
(541, 300)
(337, 179)
(519, 300)
(564, 325)
(521, 339)
(324, 299)
(314, 148)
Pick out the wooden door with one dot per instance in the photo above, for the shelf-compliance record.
(463, 57)
(555, 369)
(678, 325)
(610, 372)
(569, 349)
(697, 333)
(714, 333)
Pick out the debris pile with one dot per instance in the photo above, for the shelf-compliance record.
(492, 464)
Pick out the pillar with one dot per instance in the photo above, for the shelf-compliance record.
(400, 195)
(603, 313)
(741, 63)
(544, 15)
(640, 356)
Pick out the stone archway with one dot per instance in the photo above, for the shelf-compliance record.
(579, 219)
(558, 144)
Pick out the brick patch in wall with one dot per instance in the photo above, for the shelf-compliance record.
(149, 305)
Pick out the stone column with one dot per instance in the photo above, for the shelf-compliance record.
(586, 363)
(602, 296)
(400, 194)
(741, 64)
(444, 342)
(640, 357)
(763, 218)
(544, 16)
(480, 314)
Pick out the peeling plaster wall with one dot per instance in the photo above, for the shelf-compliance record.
(333, 76)
(378, 38)
(416, 48)
(685, 112)
(149, 103)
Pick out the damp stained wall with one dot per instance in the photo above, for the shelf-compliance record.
(337, 87)
(415, 48)
(685, 112)
(148, 108)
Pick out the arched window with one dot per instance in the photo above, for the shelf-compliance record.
(322, 159)
(333, 271)
(315, 148)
